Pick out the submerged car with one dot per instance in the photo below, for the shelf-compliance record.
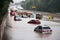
(24, 16)
(34, 22)
(43, 29)
(39, 16)
(12, 13)
(17, 18)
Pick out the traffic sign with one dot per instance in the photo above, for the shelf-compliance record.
(33, 6)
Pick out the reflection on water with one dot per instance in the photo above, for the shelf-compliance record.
(43, 35)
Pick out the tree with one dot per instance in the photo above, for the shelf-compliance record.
(4, 4)
(45, 5)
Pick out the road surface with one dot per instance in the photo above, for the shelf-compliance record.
(21, 30)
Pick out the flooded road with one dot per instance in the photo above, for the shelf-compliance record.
(21, 30)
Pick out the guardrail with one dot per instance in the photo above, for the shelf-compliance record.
(57, 15)
(3, 24)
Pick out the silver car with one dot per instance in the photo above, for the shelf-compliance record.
(17, 18)
(43, 29)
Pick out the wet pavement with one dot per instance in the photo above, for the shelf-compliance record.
(21, 30)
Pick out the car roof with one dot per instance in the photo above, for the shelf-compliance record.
(34, 20)
(46, 27)
(43, 25)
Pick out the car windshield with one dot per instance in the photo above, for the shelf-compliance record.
(46, 27)
(39, 27)
(17, 17)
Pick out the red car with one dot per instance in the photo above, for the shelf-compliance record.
(34, 22)
(13, 13)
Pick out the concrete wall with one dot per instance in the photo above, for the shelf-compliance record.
(3, 24)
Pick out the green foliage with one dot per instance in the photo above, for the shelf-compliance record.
(44, 5)
(4, 4)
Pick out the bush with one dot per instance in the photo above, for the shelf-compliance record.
(4, 4)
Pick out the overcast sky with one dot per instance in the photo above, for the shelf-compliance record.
(15, 1)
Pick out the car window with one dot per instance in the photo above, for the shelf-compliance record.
(46, 27)
(39, 27)
(17, 17)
